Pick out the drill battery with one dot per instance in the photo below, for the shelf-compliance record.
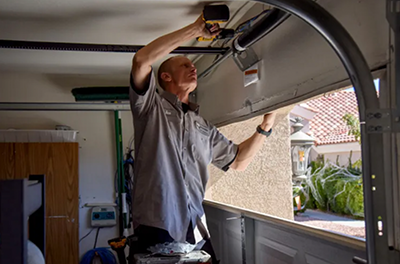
(215, 14)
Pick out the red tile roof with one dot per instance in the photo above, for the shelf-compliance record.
(328, 126)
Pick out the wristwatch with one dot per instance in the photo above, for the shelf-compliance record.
(263, 132)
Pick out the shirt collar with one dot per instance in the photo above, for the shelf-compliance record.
(173, 99)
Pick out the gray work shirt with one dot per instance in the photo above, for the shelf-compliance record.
(172, 152)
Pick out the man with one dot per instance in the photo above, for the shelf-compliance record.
(174, 146)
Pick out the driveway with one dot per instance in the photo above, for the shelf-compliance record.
(340, 224)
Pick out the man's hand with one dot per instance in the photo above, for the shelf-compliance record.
(162, 46)
(204, 32)
(268, 121)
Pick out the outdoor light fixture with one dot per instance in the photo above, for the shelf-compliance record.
(301, 144)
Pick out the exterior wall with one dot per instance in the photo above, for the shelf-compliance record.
(266, 185)
(331, 152)
(343, 157)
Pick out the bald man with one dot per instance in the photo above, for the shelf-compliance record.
(174, 145)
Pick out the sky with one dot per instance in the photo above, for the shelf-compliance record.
(376, 82)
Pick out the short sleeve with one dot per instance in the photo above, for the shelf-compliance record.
(224, 151)
(142, 100)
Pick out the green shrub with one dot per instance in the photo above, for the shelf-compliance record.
(320, 196)
(316, 190)
(336, 188)
(311, 204)
(338, 200)
(355, 201)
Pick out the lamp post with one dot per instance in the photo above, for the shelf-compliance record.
(301, 144)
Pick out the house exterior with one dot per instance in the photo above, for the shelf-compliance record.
(323, 119)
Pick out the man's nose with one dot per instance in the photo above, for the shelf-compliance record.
(193, 69)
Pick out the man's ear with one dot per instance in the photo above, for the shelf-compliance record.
(166, 77)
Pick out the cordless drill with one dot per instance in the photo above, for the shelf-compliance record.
(215, 14)
(118, 245)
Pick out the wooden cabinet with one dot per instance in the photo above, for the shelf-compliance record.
(59, 163)
(7, 164)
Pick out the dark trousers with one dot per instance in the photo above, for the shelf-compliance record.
(149, 236)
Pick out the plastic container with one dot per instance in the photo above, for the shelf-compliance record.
(194, 257)
(41, 136)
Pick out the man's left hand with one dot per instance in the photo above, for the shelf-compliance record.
(268, 121)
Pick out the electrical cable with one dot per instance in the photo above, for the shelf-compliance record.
(130, 142)
(239, 30)
(86, 235)
(97, 235)
(129, 181)
(228, 23)
(246, 24)
(103, 254)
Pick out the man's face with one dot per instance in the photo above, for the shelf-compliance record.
(183, 73)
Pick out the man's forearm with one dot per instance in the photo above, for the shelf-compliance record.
(249, 148)
(162, 46)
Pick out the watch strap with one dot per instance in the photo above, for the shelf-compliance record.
(263, 132)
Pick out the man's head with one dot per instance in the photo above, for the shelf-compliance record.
(177, 75)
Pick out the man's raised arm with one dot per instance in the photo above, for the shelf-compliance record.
(159, 48)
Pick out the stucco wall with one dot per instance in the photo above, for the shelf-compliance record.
(338, 152)
(266, 184)
(343, 157)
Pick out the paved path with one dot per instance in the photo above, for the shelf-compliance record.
(333, 218)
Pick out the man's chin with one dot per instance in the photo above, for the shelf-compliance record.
(193, 84)
(190, 85)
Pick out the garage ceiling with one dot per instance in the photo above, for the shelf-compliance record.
(91, 21)
(296, 61)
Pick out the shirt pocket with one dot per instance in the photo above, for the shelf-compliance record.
(201, 141)
(174, 123)
(202, 129)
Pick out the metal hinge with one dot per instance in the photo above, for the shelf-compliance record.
(378, 120)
